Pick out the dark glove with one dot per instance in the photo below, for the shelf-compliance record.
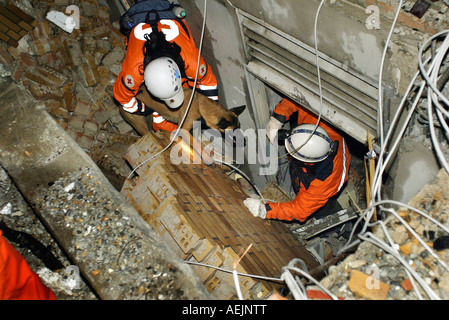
(142, 109)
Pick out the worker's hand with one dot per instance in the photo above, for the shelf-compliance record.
(142, 109)
(273, 126)
(256, 207)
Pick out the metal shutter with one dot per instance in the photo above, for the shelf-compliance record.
(289, 66)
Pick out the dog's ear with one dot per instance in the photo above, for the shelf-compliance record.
(238, 110)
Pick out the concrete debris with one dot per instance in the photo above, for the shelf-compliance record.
(58, 59)
(66, 23)
(373, 273)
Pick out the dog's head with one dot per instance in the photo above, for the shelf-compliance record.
(229, 125)
(230, 119)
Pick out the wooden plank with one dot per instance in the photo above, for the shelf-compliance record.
(370, 176)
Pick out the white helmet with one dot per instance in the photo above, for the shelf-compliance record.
(315, 149)
(163, 80)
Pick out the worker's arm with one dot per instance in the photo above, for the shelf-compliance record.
(207, 82)
(305, 204)
(130, 79)
(284, 110)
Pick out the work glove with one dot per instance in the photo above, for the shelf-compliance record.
(142, 109)
(256, 207)
(273, 126)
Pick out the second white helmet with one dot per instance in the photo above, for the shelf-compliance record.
(304, 147)
(163, 80)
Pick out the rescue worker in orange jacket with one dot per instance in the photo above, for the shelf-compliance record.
(132, 75)
(17, 280)
(319, 164)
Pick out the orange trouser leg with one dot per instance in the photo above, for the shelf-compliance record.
(17, 280)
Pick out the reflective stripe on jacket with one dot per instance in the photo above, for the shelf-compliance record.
(310, 199)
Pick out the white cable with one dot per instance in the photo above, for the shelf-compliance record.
(191, 97)
(237, 284)
(230, 271)
(309, 277)
(369, 237)
(431, 77)
(380, 93)
(320, 87)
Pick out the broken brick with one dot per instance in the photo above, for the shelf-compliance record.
(407, 285)
(28, 60)
(73, 50)
(90, 128)
(5, 57)
(98, 33)
(84, 141)
(42, 92)
(102, 115)
(68, 100)
(42, 46)
(88, 71)
(52, 59)
(367, 286)
(76, 123)
(82, 109)
(42, 30)
(45, 76)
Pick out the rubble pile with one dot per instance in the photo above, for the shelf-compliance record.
(374, 273)
(72, 74)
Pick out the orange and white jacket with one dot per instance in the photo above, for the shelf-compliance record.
(314, 193)
(17, 280)
(132, 75)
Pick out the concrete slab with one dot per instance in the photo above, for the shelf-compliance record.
(114, 249)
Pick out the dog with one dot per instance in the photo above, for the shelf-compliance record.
(210, 112)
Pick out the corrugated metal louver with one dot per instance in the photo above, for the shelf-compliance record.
(289, 66)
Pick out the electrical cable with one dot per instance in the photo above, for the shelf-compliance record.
(230, 271)
(431, 78)
(244, 175)
(175, 136)
(320, 87)
(380, 93)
